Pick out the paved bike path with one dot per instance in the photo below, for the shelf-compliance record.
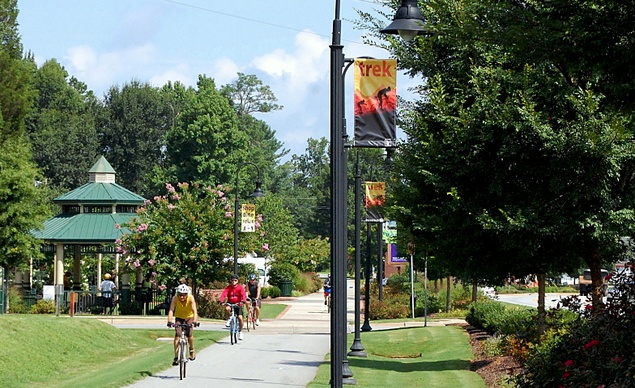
(284, 352)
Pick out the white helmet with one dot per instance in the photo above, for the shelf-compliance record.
(183, 289)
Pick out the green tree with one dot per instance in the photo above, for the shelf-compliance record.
(185, 235)
(61, 127)
(21, 203)
(249, 95)
(137, 119)
(205, 144)
(512, 164)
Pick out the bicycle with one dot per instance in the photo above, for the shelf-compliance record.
(328, 303)
(234, 324)
(251, 316)
(181, 349)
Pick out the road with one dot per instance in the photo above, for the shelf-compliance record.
(551, 299)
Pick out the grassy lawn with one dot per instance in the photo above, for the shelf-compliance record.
(411, 357)
(271, 310)
(48, 351)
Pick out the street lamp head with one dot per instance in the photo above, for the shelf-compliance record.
(408, 21)
(258, 190)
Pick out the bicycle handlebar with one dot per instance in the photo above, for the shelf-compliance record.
(184, 325)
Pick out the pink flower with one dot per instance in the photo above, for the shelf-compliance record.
(220, 193)
(162, 287)
(151, 262)
(171, 207)
(265, 247)
(147, 202)
(588, 307)
(118, 241)
(170, 188)
(568, 363)
(157, 198)
(117, 226)
(591, 344)
(119, 249)
(136, 264)
(566, 375)
(142, 227)
(176, 197)
(228, 214)
(260, 217)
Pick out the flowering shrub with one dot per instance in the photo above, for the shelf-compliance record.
(184, 236)
(595, 350)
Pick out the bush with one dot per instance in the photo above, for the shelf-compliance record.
(43, 307)
(16, 301)
(208, 307)
(434, 303)
(281, 271)
(592, 350)
(132, 308)
(308, 283)
(270, 292)
(392, 307)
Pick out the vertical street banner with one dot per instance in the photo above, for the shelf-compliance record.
(375, 199)
(247, 217)
(375, 103)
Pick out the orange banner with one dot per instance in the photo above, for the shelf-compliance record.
(375, 102)
(375, 199)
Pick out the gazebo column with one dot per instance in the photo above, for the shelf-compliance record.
(77, 268)
(58, 277)
(17, 280)
(117, 257)
(99, 277)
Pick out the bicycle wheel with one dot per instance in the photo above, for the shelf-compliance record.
(329, 304)
(247, 320)
(252, 318)
(182, 359)
(233, 329)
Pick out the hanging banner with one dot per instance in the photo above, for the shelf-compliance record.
(389, 232)
(248, 217)
(375, 103)
(394, 256)
(375, 199)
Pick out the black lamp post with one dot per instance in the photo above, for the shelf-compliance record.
(339, 186)
(256, 194)
(357, 348)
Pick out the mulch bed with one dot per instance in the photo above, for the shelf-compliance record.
(493, 369)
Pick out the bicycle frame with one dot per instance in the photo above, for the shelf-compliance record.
(181, 352)
(251, 316)
(234, 324)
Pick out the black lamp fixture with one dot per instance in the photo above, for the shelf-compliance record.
(408, 21)
(256, 194)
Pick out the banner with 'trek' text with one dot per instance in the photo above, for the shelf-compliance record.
(375, 103)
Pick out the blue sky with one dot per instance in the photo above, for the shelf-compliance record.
(284, 42)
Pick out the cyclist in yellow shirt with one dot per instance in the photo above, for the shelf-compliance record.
(183, 310)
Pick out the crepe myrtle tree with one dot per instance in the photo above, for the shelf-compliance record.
(184, 236)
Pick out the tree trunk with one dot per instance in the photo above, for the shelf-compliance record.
(542, 325)
(474, 290)
(597, 281)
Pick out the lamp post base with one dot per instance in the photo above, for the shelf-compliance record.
(357, 349)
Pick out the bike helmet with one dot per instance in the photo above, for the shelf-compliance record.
(107, 276)
(252, 276)
(183, 289)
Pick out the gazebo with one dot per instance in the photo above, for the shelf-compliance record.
(87, 223)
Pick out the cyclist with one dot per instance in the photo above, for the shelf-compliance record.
(183, 310)
(327, 289)
(234, 293)
(253, 293)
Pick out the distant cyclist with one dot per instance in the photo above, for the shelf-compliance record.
(183, 310)
(253, 292)
(327, 289)
(234, 293)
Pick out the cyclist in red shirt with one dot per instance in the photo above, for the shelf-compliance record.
(235, 293)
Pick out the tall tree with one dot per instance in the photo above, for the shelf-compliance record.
(205, 145)
(249, 95)
(507, 146)
(21, 207)
(61, 127)
(137, 118)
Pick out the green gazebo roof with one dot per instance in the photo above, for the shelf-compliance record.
(94, 228)
(100, 193)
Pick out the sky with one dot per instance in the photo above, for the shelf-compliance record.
(285, 43)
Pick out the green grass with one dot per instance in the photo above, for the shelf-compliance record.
(48, 351)
(438, 356)
(271, 310)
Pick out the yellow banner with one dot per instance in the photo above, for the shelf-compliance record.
(248, 217)
(375, 199)
(375, 102)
